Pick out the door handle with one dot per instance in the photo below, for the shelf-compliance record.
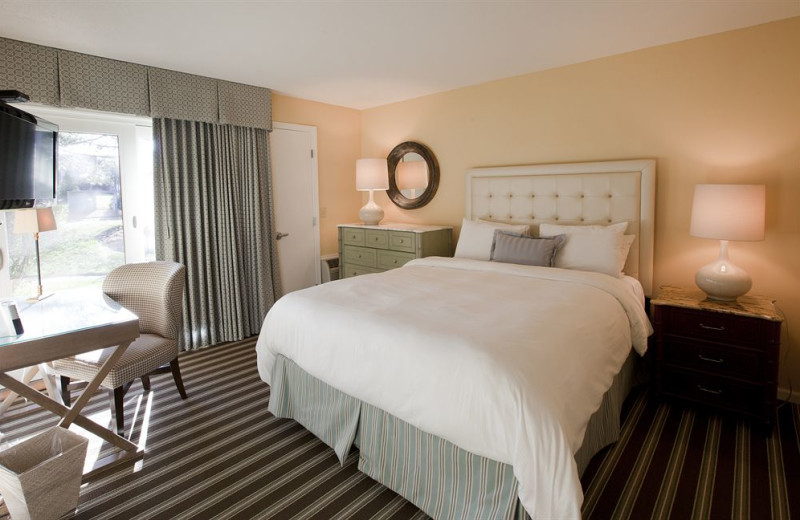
(279, 235)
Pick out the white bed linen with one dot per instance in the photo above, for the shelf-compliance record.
(505, 361)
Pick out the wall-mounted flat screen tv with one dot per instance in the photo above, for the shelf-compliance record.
(27, 159)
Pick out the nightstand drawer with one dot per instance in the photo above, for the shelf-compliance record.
(720, 327)
(360, 256)
(737, 362)
(357, 270)
(376, 238)
(390, 259)
(353, 237)
(402, 241)
(713, 390)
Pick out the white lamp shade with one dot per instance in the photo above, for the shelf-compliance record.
(372, 174)
(34, 220)
(412, 175)
(728, 211)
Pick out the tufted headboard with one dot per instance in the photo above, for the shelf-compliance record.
(576, 193)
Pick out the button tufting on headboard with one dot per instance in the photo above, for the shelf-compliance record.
(579, 193)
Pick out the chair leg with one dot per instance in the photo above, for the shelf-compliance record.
(146, 383)
(63, 388)
(176, 375)
(116, 399)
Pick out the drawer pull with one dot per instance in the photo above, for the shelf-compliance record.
(710, 359)
(359, 256)
(708, 390)
(395, 260)
(709, 327)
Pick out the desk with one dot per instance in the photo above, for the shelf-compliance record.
(66, 324)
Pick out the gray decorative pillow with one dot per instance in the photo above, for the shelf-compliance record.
(514, 248)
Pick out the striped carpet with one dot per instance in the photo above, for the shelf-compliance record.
(220, 454)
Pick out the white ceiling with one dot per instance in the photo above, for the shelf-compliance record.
(361, 53)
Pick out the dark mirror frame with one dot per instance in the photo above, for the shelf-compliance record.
(395, 156)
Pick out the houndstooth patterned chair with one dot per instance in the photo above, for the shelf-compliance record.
(154, 292)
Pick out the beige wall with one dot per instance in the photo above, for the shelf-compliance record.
(719, 109)
(338, 147)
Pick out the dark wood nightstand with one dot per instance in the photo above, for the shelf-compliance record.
(723, 354)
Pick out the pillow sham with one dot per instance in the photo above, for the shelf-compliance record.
(476, 238)
(602, 249)
(515, 248)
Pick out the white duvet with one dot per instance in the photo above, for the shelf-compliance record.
(505, 361)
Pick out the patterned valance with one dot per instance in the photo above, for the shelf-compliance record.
(175, 95)
(102, 84)
(31, 69)
(243, 105)
(70, 79)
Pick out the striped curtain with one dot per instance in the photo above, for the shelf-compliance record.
(213, 206)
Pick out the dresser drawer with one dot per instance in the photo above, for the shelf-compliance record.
(360, 256)
(736, 362)
(392, 259)
(713, 390)
(357, 270)
(723, 328)
(352, 236)
(402, 241)
(376, 238)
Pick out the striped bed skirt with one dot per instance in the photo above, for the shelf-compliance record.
(443, 480)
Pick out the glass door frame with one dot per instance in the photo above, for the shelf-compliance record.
(128, 129)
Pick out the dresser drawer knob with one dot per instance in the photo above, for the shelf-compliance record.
(708, 390)
(709, 327)
(710, 360)
(395, 260)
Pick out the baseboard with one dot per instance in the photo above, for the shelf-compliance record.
(783, 395)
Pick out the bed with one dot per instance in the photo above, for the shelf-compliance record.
(477, 389)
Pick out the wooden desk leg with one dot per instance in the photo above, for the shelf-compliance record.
(93, 385)
(61, 410)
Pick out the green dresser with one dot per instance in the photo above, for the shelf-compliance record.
(372, 249)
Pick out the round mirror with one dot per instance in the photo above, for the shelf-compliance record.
(413, 175)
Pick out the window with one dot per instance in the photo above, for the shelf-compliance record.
(103, 208)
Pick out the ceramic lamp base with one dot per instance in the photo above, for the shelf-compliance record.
(722, 280)
(371, 214)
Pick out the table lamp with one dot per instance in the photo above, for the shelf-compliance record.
(412, 175)
(35, 221)
(371, 175)
(727, 212)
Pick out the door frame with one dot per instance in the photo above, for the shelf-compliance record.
(311, 131)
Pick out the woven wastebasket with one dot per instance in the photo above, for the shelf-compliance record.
(40, 478)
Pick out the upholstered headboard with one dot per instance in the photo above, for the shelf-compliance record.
(576, 193)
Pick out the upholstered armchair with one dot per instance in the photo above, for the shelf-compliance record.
(154, 292)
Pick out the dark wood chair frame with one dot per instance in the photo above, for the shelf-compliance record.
(116, 396)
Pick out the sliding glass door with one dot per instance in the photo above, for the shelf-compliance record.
(104, 203)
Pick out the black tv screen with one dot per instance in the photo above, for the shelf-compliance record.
(27, 159)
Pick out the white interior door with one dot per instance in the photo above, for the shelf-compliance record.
(294, 175)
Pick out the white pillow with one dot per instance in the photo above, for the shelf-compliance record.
(602, 249)
(476, 238)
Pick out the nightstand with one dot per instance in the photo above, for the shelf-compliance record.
(367, 249)
(722, 354)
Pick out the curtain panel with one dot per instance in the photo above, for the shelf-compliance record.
(213, 201)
